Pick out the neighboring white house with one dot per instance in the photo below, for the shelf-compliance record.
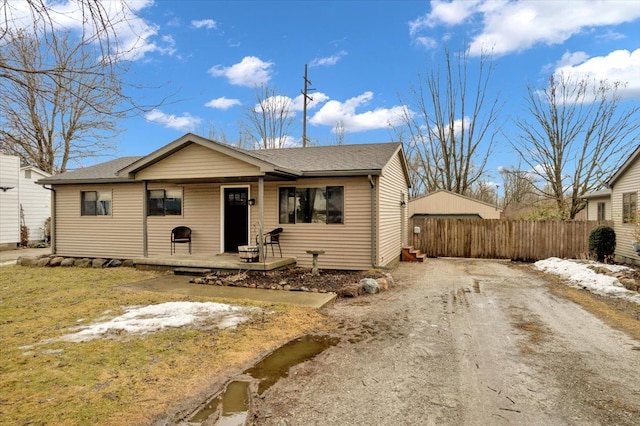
(625, 186)
(445, 204)
(35, 201)
(598, 205)
(9, 200)
(18, 187)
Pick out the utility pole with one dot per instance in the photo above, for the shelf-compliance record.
(307, 98)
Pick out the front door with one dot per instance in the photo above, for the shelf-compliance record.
(236, 218)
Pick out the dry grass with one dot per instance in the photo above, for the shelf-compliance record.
(130, 380)
(620, 314)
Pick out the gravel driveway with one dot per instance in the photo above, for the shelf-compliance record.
(460, 341)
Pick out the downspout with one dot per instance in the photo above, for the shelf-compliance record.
(374, 210)
(53, 219)
(145, 208)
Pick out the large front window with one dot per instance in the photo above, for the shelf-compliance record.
(311, 205)
(629, 207)
(95, 203)
(164, 202)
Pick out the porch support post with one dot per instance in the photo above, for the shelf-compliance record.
(261, 218)
(145, 208)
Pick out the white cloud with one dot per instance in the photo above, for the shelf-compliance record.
(204, 23)
(251, 71)
(130, 36)
(328, 61)
(185, 123)
(426, 42)
(317, 98)
(512, 26)
(334, 111)
(222, 103)
(619, 65)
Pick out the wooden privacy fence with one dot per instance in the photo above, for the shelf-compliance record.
(524, 240)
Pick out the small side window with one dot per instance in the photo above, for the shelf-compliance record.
(95, 203)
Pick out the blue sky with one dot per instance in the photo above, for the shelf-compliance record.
(363, 58)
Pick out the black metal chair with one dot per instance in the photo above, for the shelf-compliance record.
(180, 234)
(271, 238)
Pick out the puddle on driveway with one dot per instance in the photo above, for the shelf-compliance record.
(233, 403)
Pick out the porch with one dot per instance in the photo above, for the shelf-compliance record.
(227, 262)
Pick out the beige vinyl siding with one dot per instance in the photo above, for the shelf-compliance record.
(628, 182)
(592, 207)
(347, 245)
(197, 161)
(200, 212)
(443, 202)
(116, 236)
(392, 190)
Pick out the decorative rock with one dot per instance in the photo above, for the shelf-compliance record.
(44, 261)
(260, 286)
(27, 261)
(98, 263)
(630, 284)
(279, 287)
(351, 290)
(56, 261)
(314, 290)
(383, 284)
(304, 289)
(252, 286)
(113, 263)
(370, 286)
(83, 263)
(390, 280)
(283, 282)
(287, 287)
(69, 261)
(128, 263)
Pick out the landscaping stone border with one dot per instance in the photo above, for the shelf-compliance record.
(53, 261)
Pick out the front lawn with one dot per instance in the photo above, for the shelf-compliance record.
(124, 378)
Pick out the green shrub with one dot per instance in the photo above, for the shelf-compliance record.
(602, 242)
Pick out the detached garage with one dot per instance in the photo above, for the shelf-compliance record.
(447, 204)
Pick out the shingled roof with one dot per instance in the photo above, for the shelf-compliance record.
(309, 161)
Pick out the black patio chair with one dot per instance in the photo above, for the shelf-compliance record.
(180, 234)
(271, 238)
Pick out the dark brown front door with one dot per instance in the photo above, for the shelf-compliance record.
(236, 218)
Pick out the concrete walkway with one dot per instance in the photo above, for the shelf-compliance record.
(179, 284)
(9, 257)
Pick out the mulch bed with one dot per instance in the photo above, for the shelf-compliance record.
(301, 278)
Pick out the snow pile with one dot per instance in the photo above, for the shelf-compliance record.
(580, 273)
(145, 319)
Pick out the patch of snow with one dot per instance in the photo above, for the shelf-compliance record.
(145, 319)
(580, 273)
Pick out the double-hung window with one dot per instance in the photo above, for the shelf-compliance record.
(311, 205)
(164, 202)
(95, 203)
(629, 207)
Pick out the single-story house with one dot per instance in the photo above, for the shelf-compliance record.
(348, 200)
(18, 190)
(625, 185)
(598, 204)
(447, 204)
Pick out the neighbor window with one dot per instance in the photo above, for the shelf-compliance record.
(311, 205)
(164, 202)
(95, 203)
(601, 211)
(629, 207)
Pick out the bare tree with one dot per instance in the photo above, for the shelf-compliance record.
(576, 136)
(520, 192)
(100, 24)
(450, 125)
(269, 119)
(484, 191)
(52, 119)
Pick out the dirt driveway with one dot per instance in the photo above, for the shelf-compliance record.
(463, 342)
